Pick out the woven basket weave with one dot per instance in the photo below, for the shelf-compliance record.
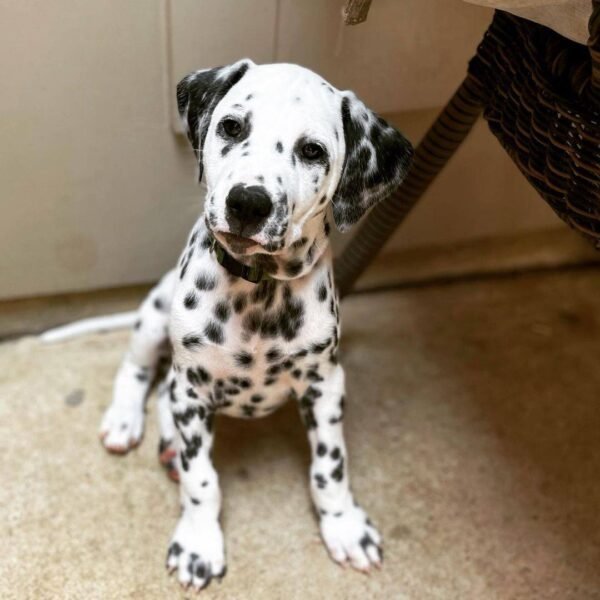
(541, 97)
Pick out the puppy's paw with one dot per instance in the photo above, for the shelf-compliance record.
(196, 552)
(350, 536)
(122, 427)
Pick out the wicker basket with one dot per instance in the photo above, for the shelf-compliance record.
(540, 94)
(541, 98)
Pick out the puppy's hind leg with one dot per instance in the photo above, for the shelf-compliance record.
(167, 450)
(123, 422)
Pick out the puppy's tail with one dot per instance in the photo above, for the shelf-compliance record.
(93, 325)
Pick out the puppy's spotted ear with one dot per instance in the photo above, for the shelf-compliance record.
(376, 161)
(199, 93)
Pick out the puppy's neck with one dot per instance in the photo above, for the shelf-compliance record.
(298, 259)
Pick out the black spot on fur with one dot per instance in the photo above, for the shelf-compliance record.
(279, 147)
(245, 383)
(312, 374)
(239, 303)
(174, 549)
(190, 301)
(320, 481)
(248, 410)
(244, 359)
(252, 321)
(340, 416)
(306, 406)
(198, 376)
(367, 541)
(322, 292)
(222, 311)
(205, 282)
(273, 354)
(319, 348)
(184, 418)
(214, 332)
(192, 446)
(274, 370)
(321, 449)
(338, 473)
(192, 341)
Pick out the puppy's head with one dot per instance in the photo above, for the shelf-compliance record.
(278, 144)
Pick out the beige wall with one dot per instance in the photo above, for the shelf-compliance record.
(97, 189)
(480, 193)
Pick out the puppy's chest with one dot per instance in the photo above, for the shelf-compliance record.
(245, 347)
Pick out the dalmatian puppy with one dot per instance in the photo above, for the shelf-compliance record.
(250, 314)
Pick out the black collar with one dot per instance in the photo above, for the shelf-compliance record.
(251, 274)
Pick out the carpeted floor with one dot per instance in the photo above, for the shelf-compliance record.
(473, 427)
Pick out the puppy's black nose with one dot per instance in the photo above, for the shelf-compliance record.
(248, 206)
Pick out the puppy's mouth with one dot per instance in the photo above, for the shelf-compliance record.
(236, 243)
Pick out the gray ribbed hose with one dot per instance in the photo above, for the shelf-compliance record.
(431, 155)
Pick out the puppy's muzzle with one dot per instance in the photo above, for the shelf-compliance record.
(247, 209)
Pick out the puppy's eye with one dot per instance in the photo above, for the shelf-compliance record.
(312, 151)
(231, 127)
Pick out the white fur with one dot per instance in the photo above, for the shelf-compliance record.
(92, 325)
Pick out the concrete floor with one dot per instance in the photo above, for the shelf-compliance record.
(474, 435)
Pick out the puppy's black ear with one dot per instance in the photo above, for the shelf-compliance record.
(197, 96)
(376, 161)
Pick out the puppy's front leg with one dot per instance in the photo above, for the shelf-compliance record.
(123, 422)
(197, 549)
(345, 528)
